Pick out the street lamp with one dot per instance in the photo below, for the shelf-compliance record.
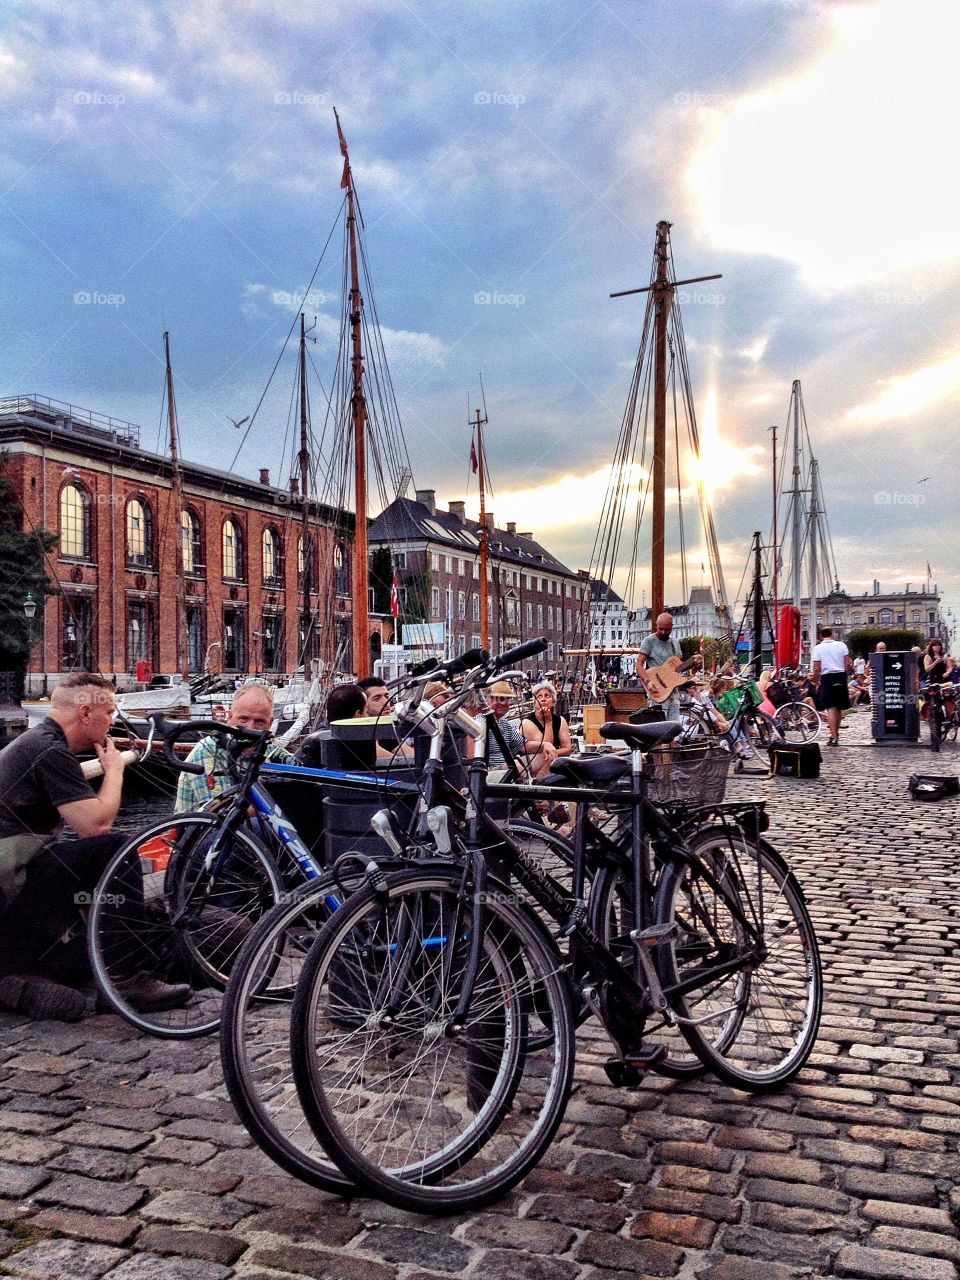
(29, 610)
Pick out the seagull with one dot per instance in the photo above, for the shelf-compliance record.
(235, 422)
(923, 481)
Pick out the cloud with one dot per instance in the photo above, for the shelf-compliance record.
(835, 165)
(904, 396)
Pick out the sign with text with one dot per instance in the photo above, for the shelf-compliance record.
(893, 692)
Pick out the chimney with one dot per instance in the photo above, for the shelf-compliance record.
(458, 509)
(264, 475)
(489, 515)
(512, 527)
(525, 535)
(295, 486)
(429, 499)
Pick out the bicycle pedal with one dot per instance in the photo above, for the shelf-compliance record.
(654, 935)
(628, 1073)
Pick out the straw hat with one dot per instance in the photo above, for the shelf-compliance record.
(501, 689)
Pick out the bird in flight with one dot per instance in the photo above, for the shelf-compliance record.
(240, 423)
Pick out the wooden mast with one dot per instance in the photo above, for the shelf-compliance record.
(182, 648)
(358, 405)
(305, 497)
(484, 538)
(662, 299)
(662, 288)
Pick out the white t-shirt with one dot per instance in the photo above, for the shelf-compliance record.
(859, 666)
(832, 656)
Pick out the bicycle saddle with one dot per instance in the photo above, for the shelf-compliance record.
(644, 736)
(593, 771)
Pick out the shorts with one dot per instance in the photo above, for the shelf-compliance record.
(836, 694)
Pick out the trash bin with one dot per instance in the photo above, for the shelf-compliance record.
(894, 697)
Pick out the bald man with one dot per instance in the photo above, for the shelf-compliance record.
(654, 651)
(44, 880)
(252, 709)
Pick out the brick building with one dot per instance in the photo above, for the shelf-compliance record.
(436, 555)
(84, 477)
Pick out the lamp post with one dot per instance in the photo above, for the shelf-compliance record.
(29, 610)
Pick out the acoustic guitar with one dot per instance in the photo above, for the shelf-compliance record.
(661, 681)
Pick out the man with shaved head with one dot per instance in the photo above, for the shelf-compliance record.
(654, 651)
(44, 880)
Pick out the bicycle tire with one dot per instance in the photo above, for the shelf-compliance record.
(746, 904)
(506, 1101)
(936, 729)
(191, 925)
(255, 1036)
(799, 722)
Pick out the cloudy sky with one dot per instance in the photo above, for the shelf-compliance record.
(178, 164)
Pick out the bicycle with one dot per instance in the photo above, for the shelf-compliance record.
(798, 721)
(943, 712)
(441, 1081)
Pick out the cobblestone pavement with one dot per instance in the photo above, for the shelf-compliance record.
(119, 1158)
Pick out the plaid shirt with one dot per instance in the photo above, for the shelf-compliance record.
(195, 789)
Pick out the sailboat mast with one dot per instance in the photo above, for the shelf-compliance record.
(662, 296)
(361, 617)
(814, 536)
(797, 513)
(179, 615)
(776, 550)
(305, 492)
(484, 538)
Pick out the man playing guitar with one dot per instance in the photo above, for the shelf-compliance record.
(655, 650)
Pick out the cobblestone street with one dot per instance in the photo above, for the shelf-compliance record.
(119, 1156)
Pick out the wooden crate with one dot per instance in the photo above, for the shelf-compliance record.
(620, 703)
(593, 718)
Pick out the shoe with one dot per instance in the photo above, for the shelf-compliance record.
(147, 995)
(41, 999)
(833, 742)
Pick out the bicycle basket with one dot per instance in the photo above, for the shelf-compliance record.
(778, 692)
(692, 774)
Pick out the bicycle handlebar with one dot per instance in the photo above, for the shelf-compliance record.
(172, 733)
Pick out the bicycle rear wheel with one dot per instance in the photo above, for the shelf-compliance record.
(746, 952)
(798, 721)
(428, 1115)
(182, 923)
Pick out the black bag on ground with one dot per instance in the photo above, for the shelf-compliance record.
(802, 761)
(933, 786)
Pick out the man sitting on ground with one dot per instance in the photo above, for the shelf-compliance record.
(43, 879)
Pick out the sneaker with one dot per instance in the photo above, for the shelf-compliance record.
(147, 995)
(41, 999)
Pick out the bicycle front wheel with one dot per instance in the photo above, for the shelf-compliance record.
(161, 913)
(431, 1113)
(743, 970)
(798, 722)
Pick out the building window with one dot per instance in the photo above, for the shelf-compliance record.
(461, 645)
(916, 615)
(234, 640)
(462, 567)
(549, 617)
(476, 571)
(195, 650)
(141, 635)
(435, 602)
(529, 616)
(399, 559)
(569, 623)
(76, 635)
(886, 615)
(550, 651)
(475, 642)
(191, 542)
(449, 606)
(476, 607)
(449, 564)
(139, 533)
(856, 618)
(75, 522)
(461, 604)
(341, 570)
(435, 561)
(232, 550)
(272, 558)
(539, 617)
(271, 639)
(489, 609)
(311, 565)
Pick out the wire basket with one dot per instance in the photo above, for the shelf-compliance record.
(691, 774)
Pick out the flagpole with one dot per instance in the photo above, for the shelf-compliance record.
(478, 462)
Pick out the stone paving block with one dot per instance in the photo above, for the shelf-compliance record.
(180, 1151)
(65, 1260)
(785, 1168)
(321, 1266)
(575, 1211)
(76, 1192)
(213, 1246)
(150, 1266)
(650, 1257)
(22, 1149)
(101, 1230)
(428, 1248)
(96, 1164)
(85, 1134)
(882, 1264)
(195, 1208)
(518, 1233)
(513, 1264)
(929, 1243)
(20, 1179)
(170, 1177)
(327, 1225)
(907, 1215)
(870, 1185)
(688, 1230)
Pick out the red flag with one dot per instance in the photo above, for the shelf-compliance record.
(474, 463)
(394, 597)
(345, 180)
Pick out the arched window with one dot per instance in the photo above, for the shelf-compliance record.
(139, 533)
(886, 615)
(232, 549)
(310, 560)
(341, 570)
(75, 522)
(272, 557)
(191, 541)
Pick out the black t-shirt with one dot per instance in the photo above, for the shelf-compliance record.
(38, 772)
